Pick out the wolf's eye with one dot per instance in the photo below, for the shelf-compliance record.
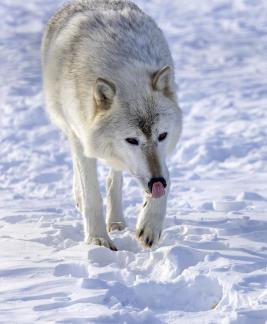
(132, 141)
(162, 136)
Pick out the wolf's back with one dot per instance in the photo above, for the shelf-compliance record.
(113, 33)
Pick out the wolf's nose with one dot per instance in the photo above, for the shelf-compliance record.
(154, 180)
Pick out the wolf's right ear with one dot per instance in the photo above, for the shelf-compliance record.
(104, 92)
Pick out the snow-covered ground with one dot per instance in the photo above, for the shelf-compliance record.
(210, 266)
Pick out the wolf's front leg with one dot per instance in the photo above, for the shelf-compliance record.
(92, 206)
(150, 220)
(77, 186)
(115, 219)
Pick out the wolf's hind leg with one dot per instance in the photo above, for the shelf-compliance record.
(115, 219)
(92, 206)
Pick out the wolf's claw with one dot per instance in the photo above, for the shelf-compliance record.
(148, 236)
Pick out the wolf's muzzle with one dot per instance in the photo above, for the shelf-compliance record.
(156, 187)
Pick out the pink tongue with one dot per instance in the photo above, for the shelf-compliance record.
(157, 190)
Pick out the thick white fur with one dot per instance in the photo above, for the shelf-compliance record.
(115, 41)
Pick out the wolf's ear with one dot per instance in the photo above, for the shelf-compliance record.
(161, 81)
(104, 92)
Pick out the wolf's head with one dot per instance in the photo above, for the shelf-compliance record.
(136, 125)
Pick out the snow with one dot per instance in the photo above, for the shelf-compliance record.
(210, 266)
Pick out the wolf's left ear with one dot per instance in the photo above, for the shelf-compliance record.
(161, 81)
(104, 92)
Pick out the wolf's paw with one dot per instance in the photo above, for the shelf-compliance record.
(148, 234)
(116, 226)
(101, 241)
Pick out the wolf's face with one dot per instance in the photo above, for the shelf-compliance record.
(136, 136)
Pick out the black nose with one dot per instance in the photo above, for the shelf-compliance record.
(153, 180)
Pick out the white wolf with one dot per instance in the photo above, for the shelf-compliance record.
(109, 86)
